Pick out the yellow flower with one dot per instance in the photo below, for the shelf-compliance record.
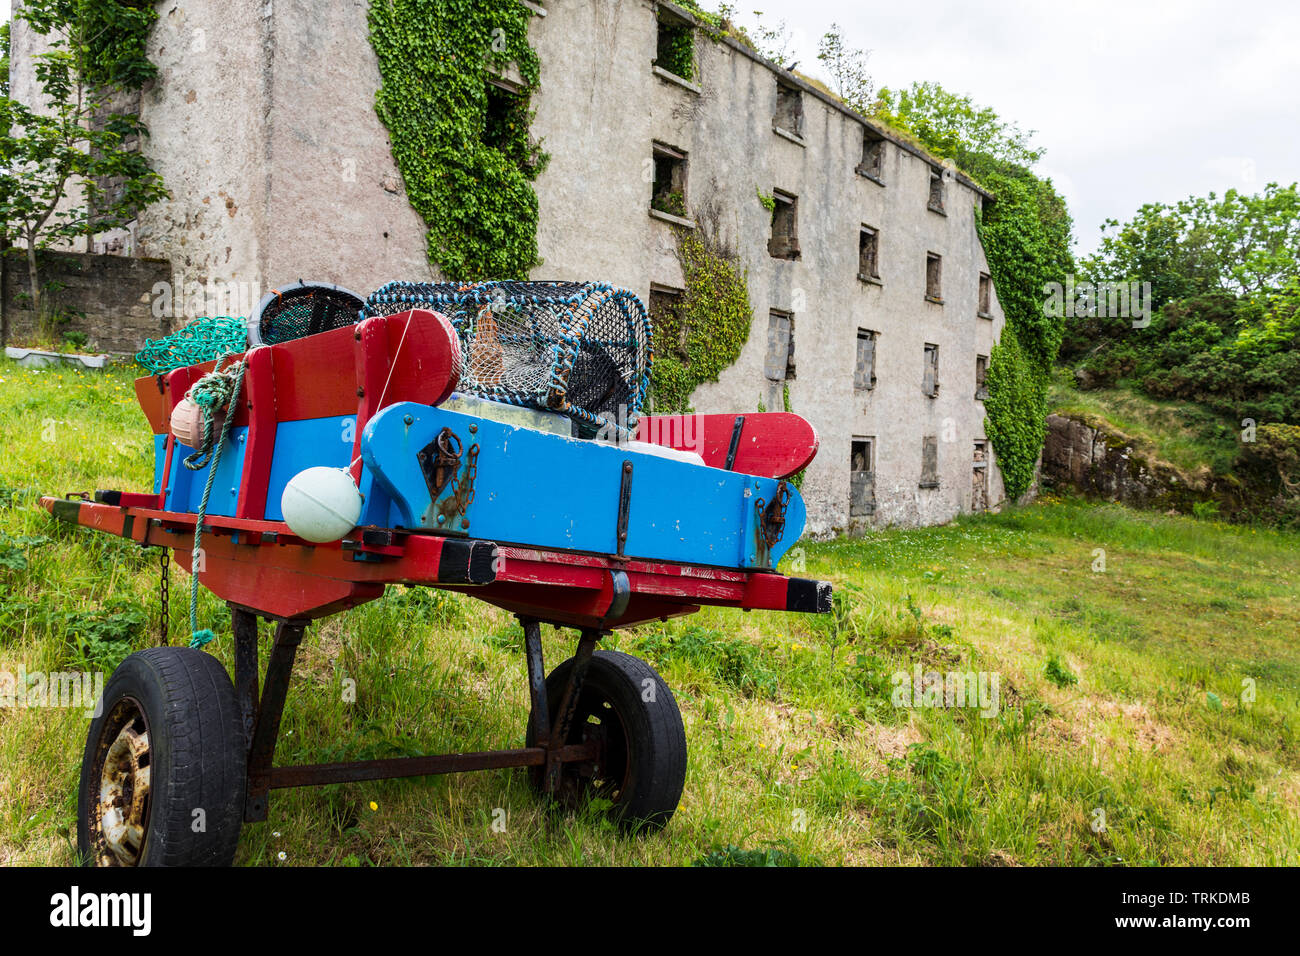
(373, 805)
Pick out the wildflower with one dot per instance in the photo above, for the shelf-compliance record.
(373, 805)
(282, 856)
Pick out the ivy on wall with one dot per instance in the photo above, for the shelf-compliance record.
(1026, 240)
(704, 333)
(677, 46)
(462, 144)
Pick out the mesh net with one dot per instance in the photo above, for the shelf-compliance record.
(204, 339)
(306, 310)
(581, 348)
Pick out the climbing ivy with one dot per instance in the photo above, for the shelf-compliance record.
(677, 52)
(1025, 233)
(468, 169)
(704, 333)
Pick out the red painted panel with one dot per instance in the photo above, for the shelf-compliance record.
(259, 404)
(314, 376)
(772, 444)
(151, 394)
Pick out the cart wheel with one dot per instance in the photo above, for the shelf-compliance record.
(163, 775)
(626, 704)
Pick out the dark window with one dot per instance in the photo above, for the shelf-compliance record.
(864, 371)
(979, 499)
(779, 365)
(862, 478)
(675, 49)
(868, 253)
(789, 109)
(873, 155)
(669, 191)
(665, 318)
(930, 462)
(507, 111)
(981, 377)
(986, 294)
(936, 191)
(930, 384)
(934, 276)
(784, 243)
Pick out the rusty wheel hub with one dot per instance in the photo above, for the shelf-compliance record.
(121, 815)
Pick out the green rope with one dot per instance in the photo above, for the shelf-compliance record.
(213, 391)
(204, 339)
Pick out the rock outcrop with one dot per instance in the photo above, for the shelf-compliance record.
(1102, 463)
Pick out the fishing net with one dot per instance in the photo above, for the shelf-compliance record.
(580, 348)
(203, 340)
(302, 309)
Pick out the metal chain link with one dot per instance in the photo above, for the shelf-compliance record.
(164, 598)
(471, 472)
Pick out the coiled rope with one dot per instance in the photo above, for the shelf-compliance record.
(217, 390)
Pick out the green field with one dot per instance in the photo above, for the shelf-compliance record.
(1148, 669)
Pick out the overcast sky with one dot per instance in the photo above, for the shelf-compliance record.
(1135, 100)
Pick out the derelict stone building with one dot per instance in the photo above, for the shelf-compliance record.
(874, 315)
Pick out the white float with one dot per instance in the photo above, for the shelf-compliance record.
(321, 504)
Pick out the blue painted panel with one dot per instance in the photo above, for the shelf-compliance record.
(306, 444)
(553, 491)
(159, 459)
(185, 489)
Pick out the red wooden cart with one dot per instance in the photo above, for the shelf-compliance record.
(175, 735)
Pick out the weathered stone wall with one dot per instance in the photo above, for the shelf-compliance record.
(109, 297)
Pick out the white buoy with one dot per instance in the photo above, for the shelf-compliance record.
(321, 504)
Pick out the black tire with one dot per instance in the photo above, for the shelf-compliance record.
(645, 742)
(173, 711)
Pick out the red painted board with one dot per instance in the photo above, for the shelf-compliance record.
(314, 376)
(772, 444)
(151, 393)
(408, 357)
(259, 403)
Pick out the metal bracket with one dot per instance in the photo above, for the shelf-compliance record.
(266, 724)
(736, 429)
(622, 595)
(567, 708)
(439, 461)
(624, 508)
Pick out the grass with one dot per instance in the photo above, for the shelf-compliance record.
(1160, 695)
(1184, 434)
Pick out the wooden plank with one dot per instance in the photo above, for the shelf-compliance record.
(259, 403)
(772, 444)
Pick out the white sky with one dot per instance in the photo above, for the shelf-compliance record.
(1135, 100)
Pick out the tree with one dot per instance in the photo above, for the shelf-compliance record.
(1240, 245)
(953, 126)
(847, 68)
(74, 137)
(771, 42)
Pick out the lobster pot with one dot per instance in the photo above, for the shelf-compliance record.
(302, 309)
(578, 348)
